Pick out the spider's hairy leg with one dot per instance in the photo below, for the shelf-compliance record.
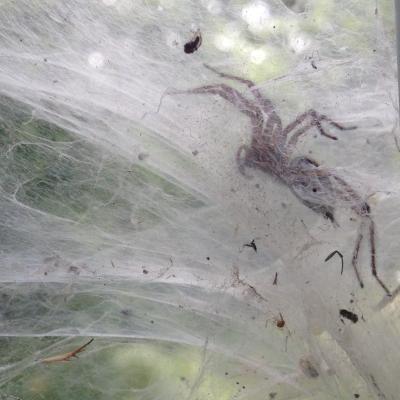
(263, 102)
(315, 120)
(373, 255)
(226, 92)
(354, 259)
(363, 210)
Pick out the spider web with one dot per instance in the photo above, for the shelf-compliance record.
(126, 219)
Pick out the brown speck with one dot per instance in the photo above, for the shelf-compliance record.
(280, 323)
(356, 395)
(145, 271)
(208, 258)
(272, 395)
(195, 152)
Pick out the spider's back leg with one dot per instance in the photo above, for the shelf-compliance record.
(373, 256)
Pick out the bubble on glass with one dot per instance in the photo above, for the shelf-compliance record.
(224, 42)
(258, 56)
(96, 59)
(299, 43)
(256, 14)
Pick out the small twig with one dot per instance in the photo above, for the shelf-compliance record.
(341, 257)
(66, 356)
(252, 244)
(275, 282)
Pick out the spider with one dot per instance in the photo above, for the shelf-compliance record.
(271, 151)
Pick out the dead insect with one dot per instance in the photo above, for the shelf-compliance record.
(66, 356)
(194, 44)
(332, 254)
(349, 315)
(252, 244)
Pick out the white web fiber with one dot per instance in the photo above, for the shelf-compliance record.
(126, 219)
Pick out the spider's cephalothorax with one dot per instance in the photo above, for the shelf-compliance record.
(271, 151)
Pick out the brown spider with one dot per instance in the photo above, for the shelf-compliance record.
(271, 151)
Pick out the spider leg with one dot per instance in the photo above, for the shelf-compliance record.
(354, 259)
(373, 256)
(273, 129)
(363, 209)
(264, 103)
(226, 92)
(315, 121)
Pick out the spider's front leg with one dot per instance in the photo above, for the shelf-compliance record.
(315, 120)
(231, 95)
(263, 102)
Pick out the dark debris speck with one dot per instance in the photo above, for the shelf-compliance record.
(349, 315)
